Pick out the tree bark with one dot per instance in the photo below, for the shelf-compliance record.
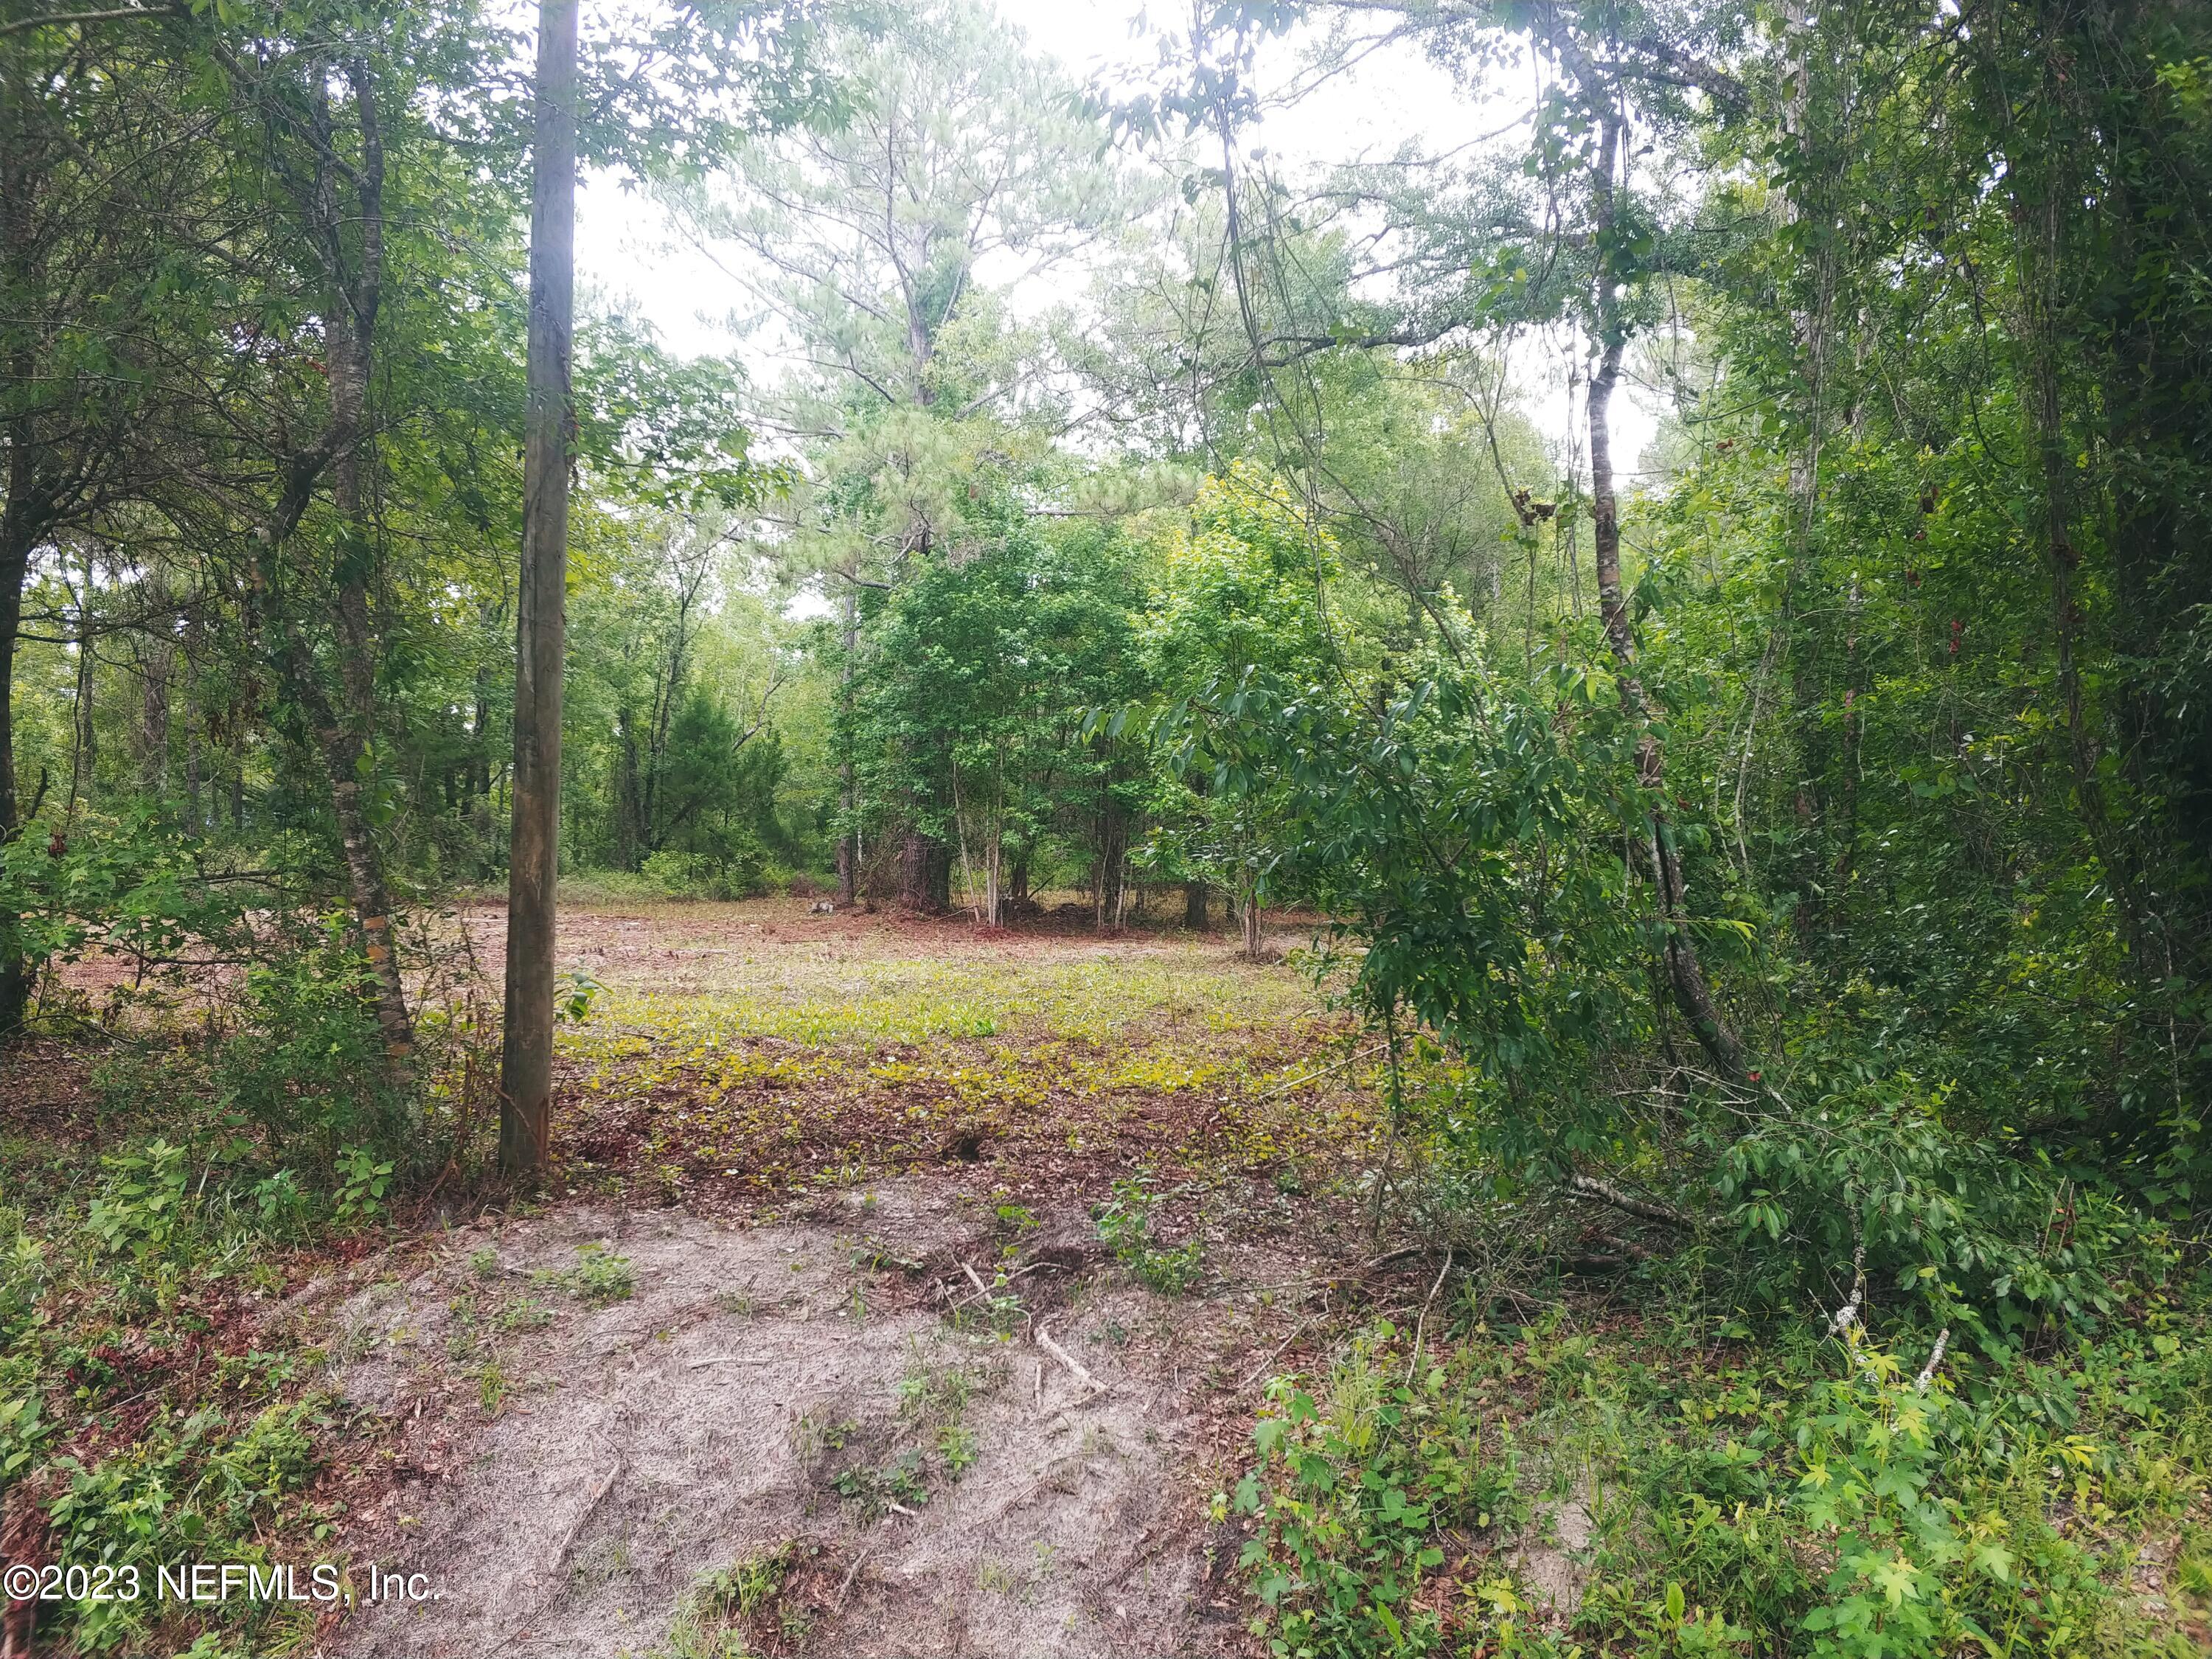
(1194, 906)
(533, 862)
(1685, 973)
(925, 873)
(343, 737)
(848, 806)
(14, 565)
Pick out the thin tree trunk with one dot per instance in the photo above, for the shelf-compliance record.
(1194, 906)
(154, 721)
(1685, 972)
(344, 739)
(848, 831)
(14, 565)
(84, 747)
(533, 862)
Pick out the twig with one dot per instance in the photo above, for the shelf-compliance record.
(898, 1508)
(584, 1514)
(1390, 1258)
(705, 1360)
(1521, 1299)
(851, 1573)
(1284, 1088)
(1281, 1348)
(1650, 1209)
(1045, 1341)
(1420, 1325)
(977, 1280)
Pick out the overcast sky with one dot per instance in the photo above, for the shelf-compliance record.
(1394, 96)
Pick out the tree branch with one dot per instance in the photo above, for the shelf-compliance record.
(56, 20)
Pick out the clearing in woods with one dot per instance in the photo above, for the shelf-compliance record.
(901, 1290)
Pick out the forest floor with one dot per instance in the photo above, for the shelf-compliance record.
(902, 1289)
(820, 1340)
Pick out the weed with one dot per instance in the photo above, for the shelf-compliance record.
(723, 1605)
(362, 1184)
(1127, 1225)
(957, 1445)
(598, 1278)
(525, 1315)
(902, 1483)
(484, 1263)
(815, 1437)
(1355, 1497)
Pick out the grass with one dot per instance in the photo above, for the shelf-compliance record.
(1749, 1488)
(772, 1057)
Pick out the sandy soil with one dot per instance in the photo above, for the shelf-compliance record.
(724, 1410)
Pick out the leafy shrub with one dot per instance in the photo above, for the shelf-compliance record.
(1356, 1496)
(1127, 1226)
(733, 872)
(144, 1201)
(307, 1064)
(1984, 1233)
(362, 1184)
(185, 1490)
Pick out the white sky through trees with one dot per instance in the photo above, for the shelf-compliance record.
(1391, 98)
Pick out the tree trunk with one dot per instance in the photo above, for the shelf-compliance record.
(192, 810)
(533, 862)
(155, 668)
(85, 751)
(345, 740)
(1685, 972)
(1251, 920)
(849, 804)
(925, 874)
(1194, 906)
(14, 566)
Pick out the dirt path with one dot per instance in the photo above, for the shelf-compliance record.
(810, 1404)
(736, 1389)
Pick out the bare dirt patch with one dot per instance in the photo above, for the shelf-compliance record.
(928, 1477)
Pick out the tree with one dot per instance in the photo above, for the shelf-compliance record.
(105, 191)
(1239, 596)
(525, 1080)
(866, 241)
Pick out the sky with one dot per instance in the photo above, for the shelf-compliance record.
(625, 249)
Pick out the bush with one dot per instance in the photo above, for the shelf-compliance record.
(306, 1065)
(1356, 1496)
(738, 872)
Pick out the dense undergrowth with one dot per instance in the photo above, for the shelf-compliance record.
(1714, 1486)
(205, 1140)
(1863, 1382)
